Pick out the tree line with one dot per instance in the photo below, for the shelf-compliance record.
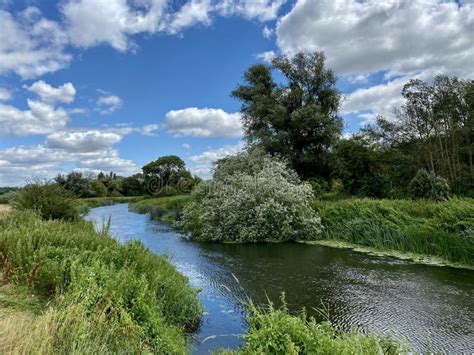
(298, 120)
(164, 176)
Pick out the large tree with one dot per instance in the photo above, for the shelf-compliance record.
(165, 172)
(297, 119)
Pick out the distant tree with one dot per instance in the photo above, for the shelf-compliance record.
(76, 184)
(99, 188)
(297, 120)
(112, 182)
(133, 185)
(360, 167)
(164, 174)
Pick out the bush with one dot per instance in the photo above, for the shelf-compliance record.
(265, 204)
(99, 188)
(105, 297)
(275, 331)
(428, 186)
(49, 200)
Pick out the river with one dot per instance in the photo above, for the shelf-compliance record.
(429, 307)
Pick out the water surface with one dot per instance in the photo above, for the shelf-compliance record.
(425, 305)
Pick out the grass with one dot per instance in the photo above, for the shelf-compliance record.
(102, 296)
(167, 209)
(20, 310)
(444, 230)
(5, 209)
(276, 331)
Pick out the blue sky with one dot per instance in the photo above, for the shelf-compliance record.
(111, 85)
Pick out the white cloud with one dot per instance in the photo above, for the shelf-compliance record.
(368, 36)
(205, 122)
(403, 39)
(108, 104)
(31, 45)
(380, 99)
(50, 95)
(22, 163)
(191, 13)
(267, 57)
(263, 10)
(86, 141)
(150, 130)
(267, 32)
(203, 163)
(93, 22)
(5, 94)
(186, 146)
(41, 118)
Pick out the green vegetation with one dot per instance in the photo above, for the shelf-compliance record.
(444, 229)
(276, 331)
(103, 296)
(266, 202)
(168, 209)
(50, 201)
(428, 186)
(298, 120)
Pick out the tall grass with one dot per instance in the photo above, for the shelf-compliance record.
(445, 229)
(168, 209)
(275, 331)
(105, 297)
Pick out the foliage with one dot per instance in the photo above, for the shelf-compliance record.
(7, 197)
(359, 168)
(269, 204)
(49, 200)
(428, 186)
(133, 185)
(168, 209)
(444, 229)
(105, 297)
(164, 176)
(433, 130)
(112, 182)
(76, 184)
(275, 331)
(99, 188)
(297, 121)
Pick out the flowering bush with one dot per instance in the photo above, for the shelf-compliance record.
(427, 185)
(250, 205)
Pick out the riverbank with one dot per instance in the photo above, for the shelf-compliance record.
(100, 295)
(423, 231)
(428, 232)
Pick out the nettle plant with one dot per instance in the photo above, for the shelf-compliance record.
(263, 201)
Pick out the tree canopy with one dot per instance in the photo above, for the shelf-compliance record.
(298, 119)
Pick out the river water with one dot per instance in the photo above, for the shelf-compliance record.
(428, 307)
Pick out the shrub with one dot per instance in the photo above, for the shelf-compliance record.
(265, 204)
(426, 185)
(99, 188)
(49, 200)
(275, 331)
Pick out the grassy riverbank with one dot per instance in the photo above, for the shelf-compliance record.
(101, 295)
(167, 209)
(436, 233)
(443, 230)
